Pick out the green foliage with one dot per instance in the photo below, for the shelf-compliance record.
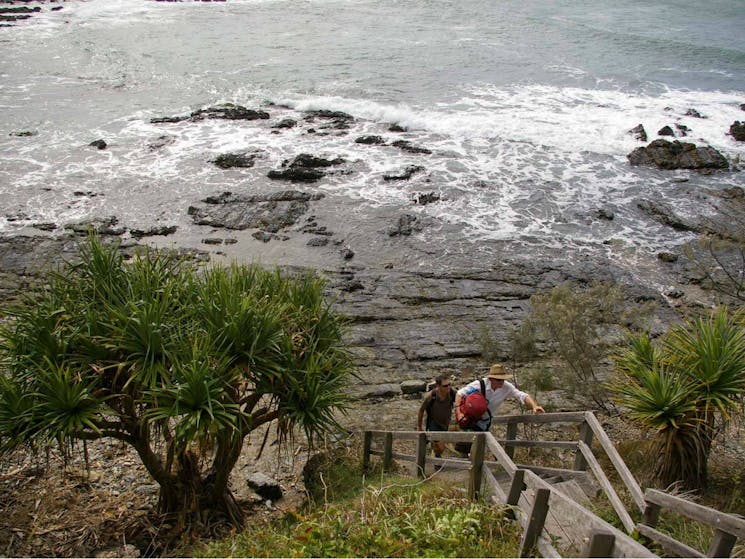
(181, 363)
(399, 519)
(685, 389)
(577, 324)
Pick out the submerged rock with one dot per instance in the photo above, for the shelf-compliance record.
(304, 168)
(228, 160)
(405, 174)
(639, 133)
(677, 155)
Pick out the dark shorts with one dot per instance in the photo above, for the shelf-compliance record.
(435, 427)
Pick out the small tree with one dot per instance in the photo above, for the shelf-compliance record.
(180, 364)
(685, 389)
(575, 323)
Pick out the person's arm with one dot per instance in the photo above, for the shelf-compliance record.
(532, 404)
(419, 417)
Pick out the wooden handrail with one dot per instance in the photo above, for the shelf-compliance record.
(623, 471)
(720, 520)
(557, 417)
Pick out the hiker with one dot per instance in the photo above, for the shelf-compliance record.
(496, 389)
(438, 405)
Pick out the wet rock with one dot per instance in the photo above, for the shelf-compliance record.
(396, 128)
(99, 144)
(334, 119)
(426, 198)
(347, 254)
(405, 226)
(607, 214)
(405, 174)
(639, 133)
(370, 140)
(694, 113)
(212, 241)
(264, 486)
(269, 213)
(304, 168)
(737, 130)
(285, 123)
(102, 226)
(408, 147)
(669, 257)
(162, 231)
(228, 160)
(664, 214)
(24, 133)
(19, 10)
(226, 111)
(682, 129)
(677, 155)
(318, 242)
(45, 226)
(665, 131)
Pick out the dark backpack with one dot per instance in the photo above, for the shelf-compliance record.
(473, 407)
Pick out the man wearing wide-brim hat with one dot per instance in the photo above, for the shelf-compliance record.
(498, 389)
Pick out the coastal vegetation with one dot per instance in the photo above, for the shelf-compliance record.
(180, 363)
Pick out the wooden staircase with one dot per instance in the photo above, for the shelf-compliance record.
(551, 504)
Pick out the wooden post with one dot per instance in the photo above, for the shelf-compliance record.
(721, 544)
(388, 452)
(511, 436)
(600, 545)
(477, 465)
(421, 454)
(535, 523)
(366, 445)
(516, 489)
(651, 514)
(585, 435)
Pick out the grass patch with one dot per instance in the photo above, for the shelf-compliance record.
(350, 515)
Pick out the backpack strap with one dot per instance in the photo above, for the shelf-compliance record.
(483, 391)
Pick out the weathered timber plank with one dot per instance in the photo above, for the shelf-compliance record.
(626, 476)
(583, 520)
(558, 417)
(500, 454)
(492, 488)
(571, 445)
(605, 483)
(536, 520)
(600, 545)
(719, 520)
(545, 470)
(669, 544)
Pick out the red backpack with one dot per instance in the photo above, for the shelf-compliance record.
(472, 407)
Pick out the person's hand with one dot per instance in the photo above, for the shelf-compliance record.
(538, 409)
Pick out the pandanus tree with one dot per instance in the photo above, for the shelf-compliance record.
(685, 388)
(181, 363)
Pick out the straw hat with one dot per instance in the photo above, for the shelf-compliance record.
(497, 371)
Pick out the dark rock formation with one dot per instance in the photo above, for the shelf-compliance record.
(664, 214)
(100, 144)
(160, 142)
(407, 146)
(24, 133)
(665, 131)
(285, 123)
(639, 133)
(694, 113)
(304, 168)
(227, 111)
(405, 174)
(228, 160)
(682, 129)
(668, 257)
(405, 226)
(371, 140)
(677, 155)
(737, 130)
(334, 119)
(396, 128)
(270, 213)
(162, 231)
(426, 198)
(102, 226)
(607, 214)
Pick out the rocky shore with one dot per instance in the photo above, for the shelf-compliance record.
(416, 308)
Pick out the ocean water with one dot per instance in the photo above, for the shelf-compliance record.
(525, 105)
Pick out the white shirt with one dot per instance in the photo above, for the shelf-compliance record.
(494, 397)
